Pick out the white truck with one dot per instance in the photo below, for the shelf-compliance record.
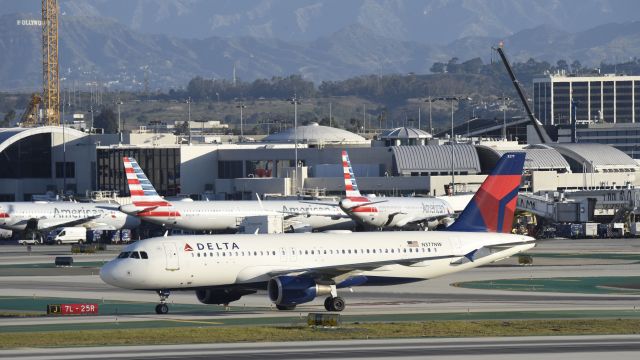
(67, 235)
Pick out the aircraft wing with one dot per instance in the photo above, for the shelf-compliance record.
(50, 224)
(330, 272)
(423, 219)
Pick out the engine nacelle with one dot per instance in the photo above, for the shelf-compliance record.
(219, 296)
(294, 290)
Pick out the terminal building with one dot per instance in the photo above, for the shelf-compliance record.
(603, 109)
(56, 159)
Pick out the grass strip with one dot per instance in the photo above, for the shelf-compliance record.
(195, 334)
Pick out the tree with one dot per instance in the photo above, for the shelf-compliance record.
(562, 65)
(576, 66)
(107, 120)
(437, 68)
(8, 118)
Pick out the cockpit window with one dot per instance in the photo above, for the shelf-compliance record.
(135, 255)
(143, 254)
(124, 255)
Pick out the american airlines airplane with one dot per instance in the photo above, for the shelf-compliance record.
(223, 215)
(391, 212)
(36, 216)
(297, 268)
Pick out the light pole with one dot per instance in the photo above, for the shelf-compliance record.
(91, 111)
(430, 101)
(189, 117)
(119, 102)
(504, 116)
(241, 106)
(295, 101)
(452, 99)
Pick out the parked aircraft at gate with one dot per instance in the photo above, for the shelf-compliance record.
(297, 268)
(35, 216)
(394, 212)
(226, 214)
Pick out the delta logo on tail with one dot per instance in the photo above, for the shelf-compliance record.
(494, 204)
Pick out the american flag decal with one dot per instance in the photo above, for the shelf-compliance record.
(412, 243)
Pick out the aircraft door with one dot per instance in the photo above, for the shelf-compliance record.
(171, 255)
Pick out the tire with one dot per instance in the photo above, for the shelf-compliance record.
(285, 307)
(59, 242)
(162, 309)
(328, 304)
(80, 241)
(338, 304)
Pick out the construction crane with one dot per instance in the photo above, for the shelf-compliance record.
(30, 116)
(537, 126)
(50, 68)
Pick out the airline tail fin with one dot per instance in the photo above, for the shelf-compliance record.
(143, 194)
(493, 206)
(350, 185)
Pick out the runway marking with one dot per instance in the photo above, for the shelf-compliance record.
(195, 322)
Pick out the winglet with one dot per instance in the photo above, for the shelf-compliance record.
(494, 204)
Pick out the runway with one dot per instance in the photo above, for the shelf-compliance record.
(434, 296)
(567, 347)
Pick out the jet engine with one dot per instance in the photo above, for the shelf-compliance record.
(218, 296)
(288, 291)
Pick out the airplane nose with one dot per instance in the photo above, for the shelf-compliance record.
(115, 273)
(107, 273)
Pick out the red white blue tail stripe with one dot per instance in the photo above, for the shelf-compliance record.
(142, 192)
(493, 206)
(350, 185)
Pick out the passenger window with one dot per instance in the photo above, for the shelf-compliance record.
(198, 254)
(143, 254)
(273, 252)
(204, 254)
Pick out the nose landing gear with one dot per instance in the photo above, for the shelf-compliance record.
(162, 308)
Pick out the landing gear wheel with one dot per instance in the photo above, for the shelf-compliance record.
(285, 307)
(337, 304)
(328, 303)
(162, 309)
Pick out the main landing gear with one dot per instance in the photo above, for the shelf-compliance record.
(334, 303)
(162, 308)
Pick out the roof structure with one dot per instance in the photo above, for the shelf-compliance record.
(436, 159)
(536, 159)
(315, 134)
(405, 133)
(9, 136)
(591, 157)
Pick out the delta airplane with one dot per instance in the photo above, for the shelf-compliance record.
(41, 217)
(297, 268)
(393, 212)
(223, 215)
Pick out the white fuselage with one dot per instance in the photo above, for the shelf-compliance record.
(227, 215)
(397, 212)
(16, 215)
(184, 262)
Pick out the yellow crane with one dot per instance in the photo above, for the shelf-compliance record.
(50, 68)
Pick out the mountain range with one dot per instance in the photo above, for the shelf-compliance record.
(121, 49)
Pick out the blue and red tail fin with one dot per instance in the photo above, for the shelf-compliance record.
(350, 185)
(143, 194)
(493, 206)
